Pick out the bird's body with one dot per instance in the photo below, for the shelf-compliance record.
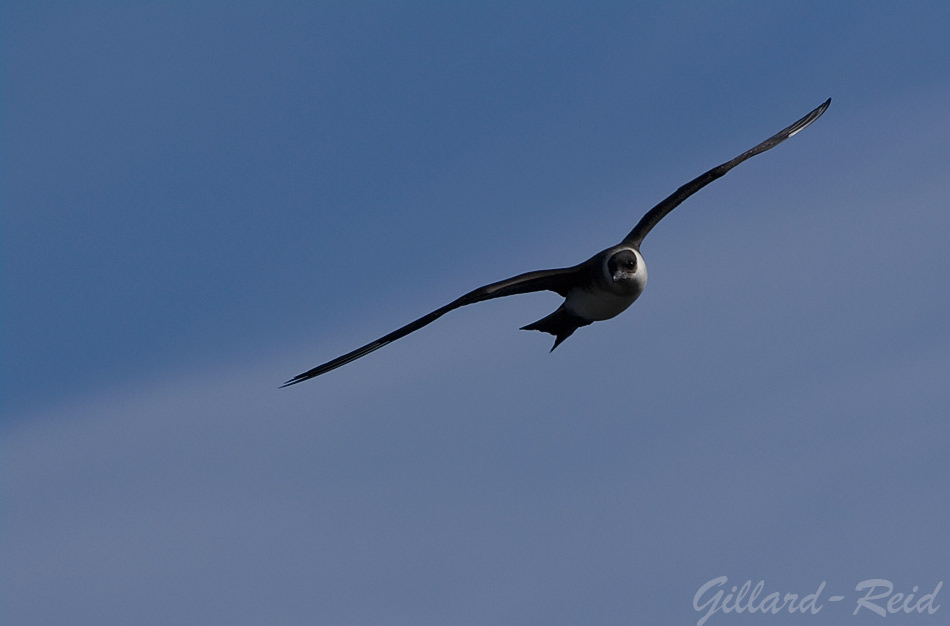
(597, 304)
(606, 297)
(597, 289)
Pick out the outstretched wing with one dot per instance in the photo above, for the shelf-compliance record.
(654, 215)
(559, 281)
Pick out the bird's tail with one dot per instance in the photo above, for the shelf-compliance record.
(561, 324)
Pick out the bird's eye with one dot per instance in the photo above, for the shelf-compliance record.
(631, 263)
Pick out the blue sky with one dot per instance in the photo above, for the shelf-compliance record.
(200, 201)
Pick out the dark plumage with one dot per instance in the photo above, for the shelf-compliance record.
(597, 289)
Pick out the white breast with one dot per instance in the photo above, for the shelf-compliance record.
(597, 304)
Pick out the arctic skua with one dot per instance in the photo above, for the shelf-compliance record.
(598, 289)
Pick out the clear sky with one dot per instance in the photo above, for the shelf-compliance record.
(201, 200)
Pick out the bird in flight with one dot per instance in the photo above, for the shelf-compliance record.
(598, 289)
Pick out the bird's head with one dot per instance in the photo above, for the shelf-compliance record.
(626, 270)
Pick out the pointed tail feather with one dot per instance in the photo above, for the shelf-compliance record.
(561, 324)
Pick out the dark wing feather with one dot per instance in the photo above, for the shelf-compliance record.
(654, 215)
(559, 281)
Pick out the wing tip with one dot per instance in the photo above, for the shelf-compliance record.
(822, 107)
(807, 121)
(299, 378)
